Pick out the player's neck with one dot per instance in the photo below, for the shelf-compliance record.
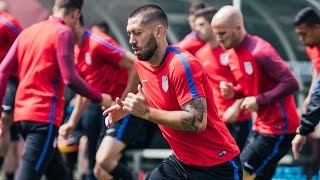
(159, 54)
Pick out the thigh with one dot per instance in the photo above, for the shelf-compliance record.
(262, 153)
(39, 148)
(109, 152)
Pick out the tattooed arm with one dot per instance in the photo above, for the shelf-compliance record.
(192, 117)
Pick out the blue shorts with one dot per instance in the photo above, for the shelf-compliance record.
(133, 131)
(263, 152)
(172, 168)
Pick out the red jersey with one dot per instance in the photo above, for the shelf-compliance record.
(179, 79)
(191, 43)
(259, 70)
(216, 64)
(97, 61)
(43, 56)
(9, 31)
(314, 55)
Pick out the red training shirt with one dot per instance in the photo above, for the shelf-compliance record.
(97, 61)
(216, 64)
(261, 72)
(179, 79)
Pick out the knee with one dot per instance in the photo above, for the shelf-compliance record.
(100, 173)
(106, 161)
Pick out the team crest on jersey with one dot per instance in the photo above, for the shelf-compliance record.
(165, 83)
(248, 68)
(88, 58)
(224, 59)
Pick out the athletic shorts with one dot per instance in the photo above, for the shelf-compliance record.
(171, 168)
(40, 153)
(263, 152)
(14, 135)
(133, 131)
(8, 100)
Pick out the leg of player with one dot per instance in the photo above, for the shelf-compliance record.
(82, 157)
(108, 156)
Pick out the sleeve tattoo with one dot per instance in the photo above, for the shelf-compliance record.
(194, 115)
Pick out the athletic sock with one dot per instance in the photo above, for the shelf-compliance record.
(121, 172)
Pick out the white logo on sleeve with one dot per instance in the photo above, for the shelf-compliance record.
(165, 83)
(248, 68)
(88, 58)
(224, 59)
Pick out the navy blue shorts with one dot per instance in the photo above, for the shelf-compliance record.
(133, 131)
(263, 152)
(8, 100)
(171, 168)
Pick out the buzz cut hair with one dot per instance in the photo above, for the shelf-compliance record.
(306, 16)
(207, 13)
(151, 13)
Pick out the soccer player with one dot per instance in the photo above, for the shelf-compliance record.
(9, 31)
(307, 26)
(176, 94)
(42, 57)
(109, 67)
(267, 85)
(215, 62)
(192, 42)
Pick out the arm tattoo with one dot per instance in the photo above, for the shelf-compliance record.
(194, 115)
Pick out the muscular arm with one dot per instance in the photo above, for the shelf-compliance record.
(65, 43)
(192, 117)
(80, 105)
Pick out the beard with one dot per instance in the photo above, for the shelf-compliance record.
(149, 49)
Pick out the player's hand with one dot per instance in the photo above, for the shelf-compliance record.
(137, 104)
(297, 144)
(250, 103)
(226, 89)
(66, 129)
(114, 113)
(106, 100)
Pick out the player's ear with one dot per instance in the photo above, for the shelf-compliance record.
(159, 31)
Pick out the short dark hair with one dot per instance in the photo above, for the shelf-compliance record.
(69, 4)
(306, 16)
(104, 26)
(151, 13)
(207, 13)
(196, 6)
